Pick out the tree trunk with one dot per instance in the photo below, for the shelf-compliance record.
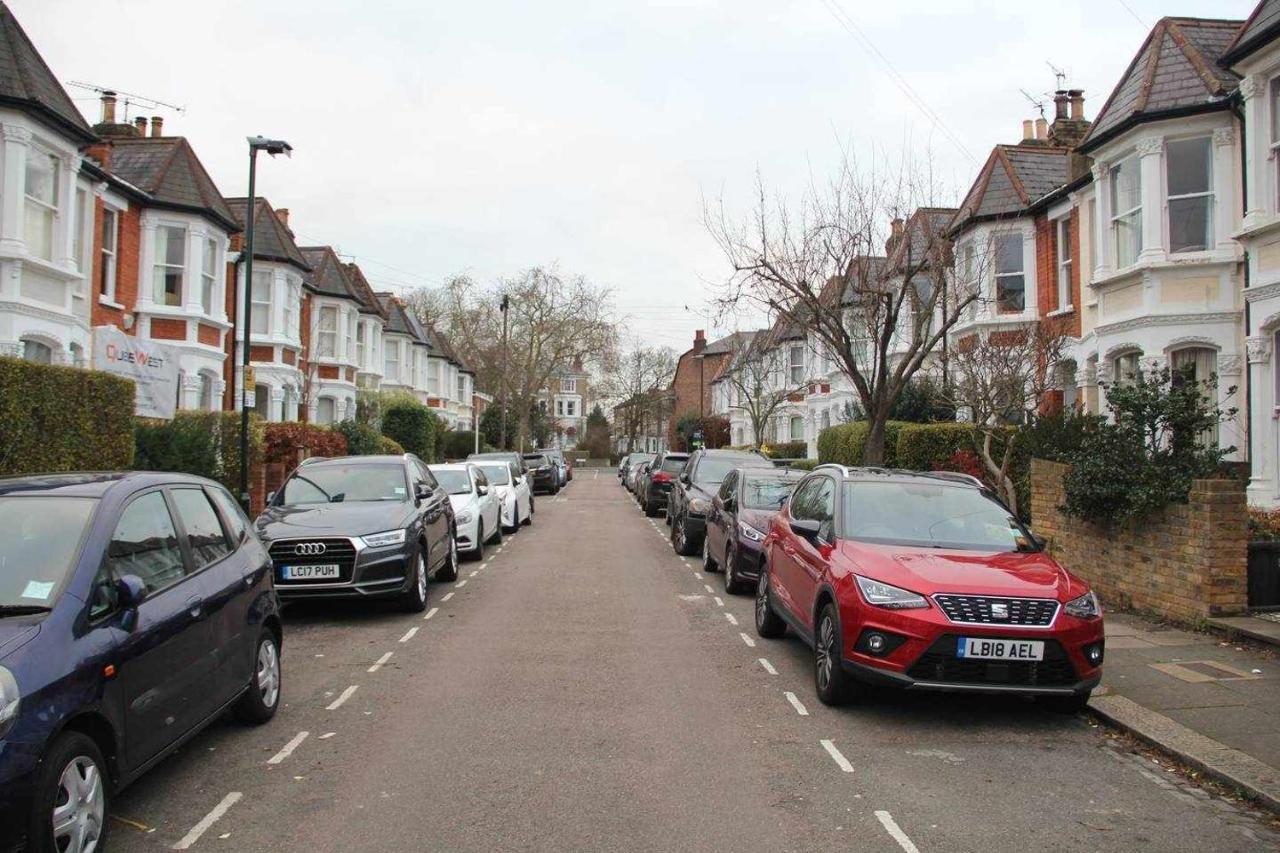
(873, 450)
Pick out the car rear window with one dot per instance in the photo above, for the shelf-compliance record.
(674, 464)
(931, 515)
(712, 469)
(537, 461)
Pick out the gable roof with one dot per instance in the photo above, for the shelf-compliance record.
(441, 342)
(722, 346)
(398, 319)
(926, 232)
(27, 83)
(272, 241)
(328, 275)
(369, 303)
(167, 169)
(1259, 28)
(1013, 177)
(1174, 73)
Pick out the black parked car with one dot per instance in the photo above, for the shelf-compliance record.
(559, 460)
(690, 499)
(361, 527)
(739, 520)
(544, 474)
(657, 484)
(135, 608)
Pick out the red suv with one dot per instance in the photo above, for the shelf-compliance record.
(925, 581)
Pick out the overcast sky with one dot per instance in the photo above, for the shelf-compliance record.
(434, 138)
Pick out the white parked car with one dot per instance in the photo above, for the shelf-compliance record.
(476, 506)
(515, 495)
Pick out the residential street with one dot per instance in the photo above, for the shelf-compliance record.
(586, 689)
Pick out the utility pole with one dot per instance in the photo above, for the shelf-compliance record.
(502, 436)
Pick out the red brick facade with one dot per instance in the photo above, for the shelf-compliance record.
(1047, 270)
(163, 329)
(692, 382)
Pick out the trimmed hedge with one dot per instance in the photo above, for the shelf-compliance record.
(803, 464)
(55, 418)
(291, 442)
(362, 439)
(787, 450)
(415, 427)
(929, 447)
(457, 444)
(389, 447)
(845, 444)
(203, 443)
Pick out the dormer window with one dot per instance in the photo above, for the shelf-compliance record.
(41, 208)
(1126, 212)
(1189, 168)
(1011, 282)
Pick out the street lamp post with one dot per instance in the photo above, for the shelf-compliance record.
(272, 147)
(502, 435)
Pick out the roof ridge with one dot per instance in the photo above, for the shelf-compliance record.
(1194, 56)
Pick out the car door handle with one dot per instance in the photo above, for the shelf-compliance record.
(195, 606)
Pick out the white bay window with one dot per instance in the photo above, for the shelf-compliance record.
(208, 274)
(40, 205)
(260, 318)
(1126, 212)
(1189, 175)
(168, 275)
(327, 345)
(1011, 281)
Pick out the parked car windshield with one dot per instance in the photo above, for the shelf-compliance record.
(639, 459)
(38, 547)
(456, 482)
(931, 515)
(713, 469)
(766, 492)
(338, 483)
(498, 475)
(673, 464)
(537, 460)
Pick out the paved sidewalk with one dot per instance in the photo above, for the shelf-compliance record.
(1215, 704)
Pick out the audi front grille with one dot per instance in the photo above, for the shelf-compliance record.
(321, 550)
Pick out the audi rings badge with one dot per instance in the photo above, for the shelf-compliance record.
(309, 549)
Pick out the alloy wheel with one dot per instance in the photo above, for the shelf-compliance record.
(79, 807)
(268, 673)
(422, 577)
(730, 580)
(762, 598)
(824, 651)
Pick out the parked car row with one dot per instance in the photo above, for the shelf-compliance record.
(921, 581)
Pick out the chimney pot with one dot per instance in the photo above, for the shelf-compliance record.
(108, 107)
(282, 213)
(1077, 103)
(699, 341)
(1060, 101)
(141, 124)
(1042, 129)
(157, 125)
(1028, 130)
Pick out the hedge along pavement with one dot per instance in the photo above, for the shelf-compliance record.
(55, 418)
(206, 444)
(415, 427)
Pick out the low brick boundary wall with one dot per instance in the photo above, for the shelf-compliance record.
(1187, 562)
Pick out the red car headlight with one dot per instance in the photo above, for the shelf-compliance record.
(1084, 607)
(889, 597)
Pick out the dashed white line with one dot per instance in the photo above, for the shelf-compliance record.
(733, 620)
(482, 565)
(708, 588)
(719, 603)
(460, 584)
(208, 820)
(432, 612)
(292, 745)
(342, 697)
(408, 635)
(750, 642)
(891, 827)
(698, 576)
(796, 703)
(377, 665)
(473, 574)
(327, 735)
(837, 756)
(768, 667)
(447, 596)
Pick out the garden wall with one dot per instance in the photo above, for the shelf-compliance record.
(1186, 563)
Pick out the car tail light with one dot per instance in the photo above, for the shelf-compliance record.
(662, 477)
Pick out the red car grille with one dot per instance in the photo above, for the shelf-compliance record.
(940, 663)
(983, 610)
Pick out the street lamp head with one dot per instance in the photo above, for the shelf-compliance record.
(271, 146)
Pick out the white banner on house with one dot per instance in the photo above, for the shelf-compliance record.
(153, 368)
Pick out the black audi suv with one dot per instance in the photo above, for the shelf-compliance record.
(360, 527)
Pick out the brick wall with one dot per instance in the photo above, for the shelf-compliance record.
(1186, 563)
(1047, 270)
(128, 243)
(692, 374)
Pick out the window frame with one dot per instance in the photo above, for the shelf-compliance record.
(569, 386)
(1117, 376)
(185, 540)
(179, 534)
(256, 303)
(1020, 273)
(1118, 218)
(1065, 263)
(795, 368)
(47, 209)
(109, 256)
(322, 332)
(791, 428)
(1207, 194)
(208, 275)
(161, 266)
(391, 362)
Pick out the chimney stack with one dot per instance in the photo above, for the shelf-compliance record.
(1060, 102)
(108, 107)
(1028, 130)
(141, 124)
(895, 234)
(699, 341)
(1042, 129)
(282, 214)
(157, 125)
(1076, 96)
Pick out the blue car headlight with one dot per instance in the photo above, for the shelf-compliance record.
(10, 700)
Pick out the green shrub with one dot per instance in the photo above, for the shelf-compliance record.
(389, 447)
(291, 442)
(362, 439)
(927, 447)
(415, 427)
(846, 444)
(803, 464)
(787, 450)
(206, 444)
(457, 444)
(55, 418)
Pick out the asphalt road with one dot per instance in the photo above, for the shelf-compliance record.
(585, 689)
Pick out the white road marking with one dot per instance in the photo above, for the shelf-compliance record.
(768, 667)
(208, 820)
(327, 735)
(733, 620)
(408, 635)
(837, 756)
(342, 697)
(750, 642)
(446, 597)
(377, 665)
(482, 565)
(432, 612)
(292, 745)
(708, 588)
(719, 603)
(891, 827)
(698, 576)
(795, 703)
(460, 584)
(473, 574)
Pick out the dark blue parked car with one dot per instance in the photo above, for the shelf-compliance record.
(135, 608)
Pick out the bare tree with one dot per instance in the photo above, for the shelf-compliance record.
(637, 378)
(998, 379)
(759, 379)
(819, 266)
(554, 321)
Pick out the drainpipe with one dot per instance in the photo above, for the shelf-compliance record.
(1238, 111)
